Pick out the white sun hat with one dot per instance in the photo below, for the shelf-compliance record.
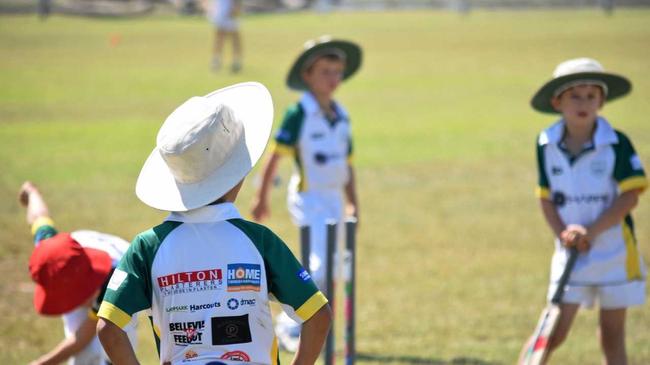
(206, 146)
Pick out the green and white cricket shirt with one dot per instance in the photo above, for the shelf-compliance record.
(321, 147)
(207, 275)
(582, 188)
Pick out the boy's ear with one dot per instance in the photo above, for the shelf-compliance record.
(555, 103)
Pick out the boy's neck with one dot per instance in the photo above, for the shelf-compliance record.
(576, 136)
(324, 101)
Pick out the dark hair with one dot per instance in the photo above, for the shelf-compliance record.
(328, 56)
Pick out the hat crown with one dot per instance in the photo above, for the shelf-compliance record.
(56, 260)
(198, 138)
(577, 65)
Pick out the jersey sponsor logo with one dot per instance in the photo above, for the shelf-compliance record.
(303, 274)
(187, 333)
(242, 277)
(556, 170)
(560, 199)
(317, 135)
(192, 281)
(322, 158)
(190, 354)
(598, 167)
(230, 330)
(635, 162)
(117, 279)
(234, 303)
(192, 307)
(236, 356)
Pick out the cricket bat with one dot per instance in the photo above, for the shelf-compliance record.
(537, 349)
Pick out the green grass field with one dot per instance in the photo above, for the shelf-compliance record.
(453, 251)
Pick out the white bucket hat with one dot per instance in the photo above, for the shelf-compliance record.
(579, 71)
(206, 147)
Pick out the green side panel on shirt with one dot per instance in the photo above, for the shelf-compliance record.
(289, 131)
(283, 271)
(624, 152)
(135, 292)
(542, 181)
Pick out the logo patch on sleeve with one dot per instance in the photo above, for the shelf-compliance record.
(283, 135)
(635, 162)
(303, 274)
(117, 279)
(230, 330)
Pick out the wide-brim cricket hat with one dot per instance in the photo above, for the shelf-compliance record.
(206, 147)
(579, 71)
(66, 274)
(313, 49)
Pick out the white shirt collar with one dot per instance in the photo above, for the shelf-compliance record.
(604, 135)
(310, 104)
(208, 213)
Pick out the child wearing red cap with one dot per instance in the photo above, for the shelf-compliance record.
(71, 271)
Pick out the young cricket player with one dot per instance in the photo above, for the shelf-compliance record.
(224, 14)
(206, 274)
(590, 179)
(71, 272)
(316, 133)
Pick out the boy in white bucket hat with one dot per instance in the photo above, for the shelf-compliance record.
(590, 179)
(206, 274)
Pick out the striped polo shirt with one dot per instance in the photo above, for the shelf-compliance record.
(582, 187)
(207, 276)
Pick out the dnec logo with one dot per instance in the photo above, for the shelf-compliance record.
(193, 281)
(242, 277)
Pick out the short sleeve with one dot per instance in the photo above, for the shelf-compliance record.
(287, 280)
(543, 190)
(628, 169)
(129, 289)
(287, 136)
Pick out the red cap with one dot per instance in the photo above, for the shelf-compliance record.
(65, 273)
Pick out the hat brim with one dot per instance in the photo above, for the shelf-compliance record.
(253, 106)
(66, 294)
(353, 56)
(617, 86)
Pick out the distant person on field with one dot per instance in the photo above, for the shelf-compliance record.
(590, 179)
(224, 14)
(71, 271)
(316, 134)
(44, 9)
(206, 274)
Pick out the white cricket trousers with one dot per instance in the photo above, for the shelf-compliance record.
(315, 209)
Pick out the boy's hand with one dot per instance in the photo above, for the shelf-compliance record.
(23, 195)
(575, 235)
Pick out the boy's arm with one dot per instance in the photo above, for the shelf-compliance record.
(621, 206)
(312, 336)
(552, 217)
(351, 194)
(569, 235)
(70, 345)
(31, 198)
(260, 209)
(116, 343)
